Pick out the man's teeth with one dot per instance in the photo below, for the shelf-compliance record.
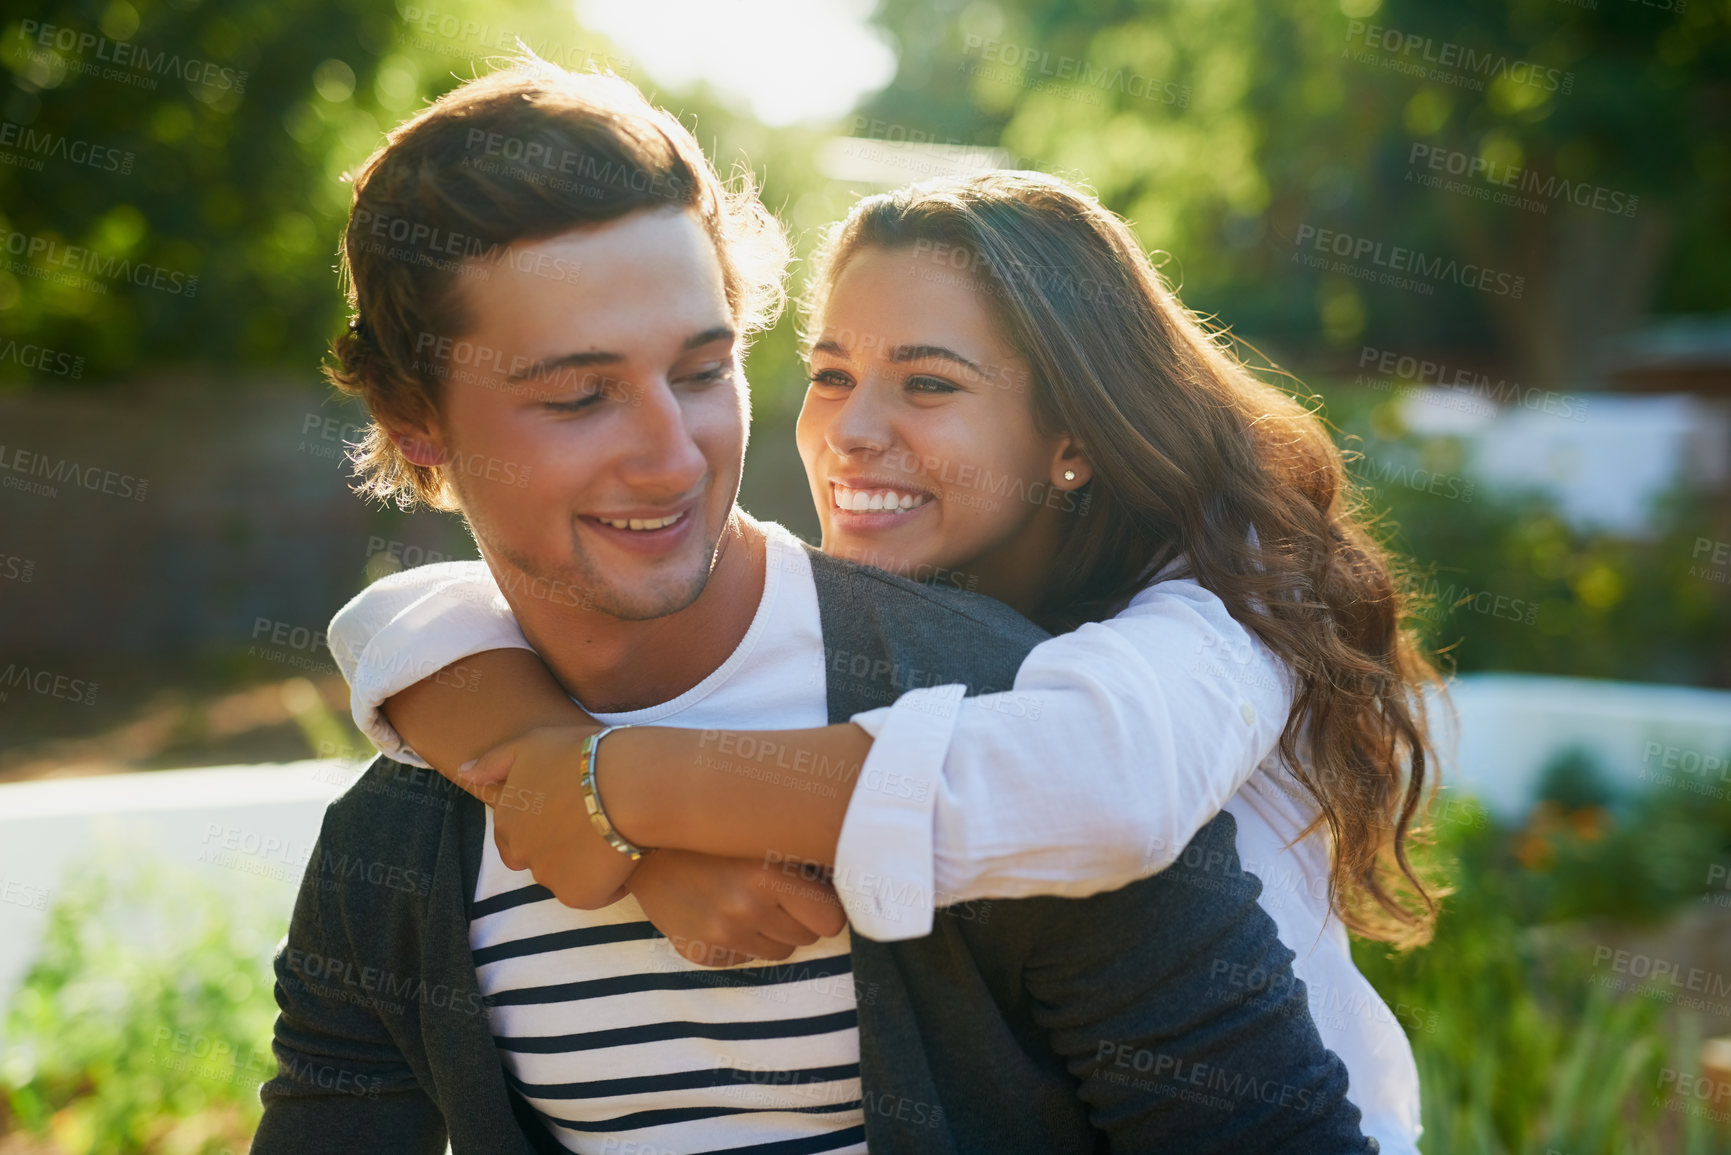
(640, 522)
(878, 500)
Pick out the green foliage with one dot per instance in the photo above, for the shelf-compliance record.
(235, 177)
(144, 1025)
(1288, 113)
(1520, 1050)
(1507, 584)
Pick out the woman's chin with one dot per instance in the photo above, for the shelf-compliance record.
(882, 551)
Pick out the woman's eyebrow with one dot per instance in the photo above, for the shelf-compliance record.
(904, 353)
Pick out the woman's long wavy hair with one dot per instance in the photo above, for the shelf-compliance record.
(1197, 460)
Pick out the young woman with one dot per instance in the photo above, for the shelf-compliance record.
(1005, 396)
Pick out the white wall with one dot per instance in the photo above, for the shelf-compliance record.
(1511, 725)
(233, 825)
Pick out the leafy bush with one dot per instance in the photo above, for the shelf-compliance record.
(145, 1023)
(1522, 1050)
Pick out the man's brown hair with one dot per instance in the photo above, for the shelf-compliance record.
(526, 152)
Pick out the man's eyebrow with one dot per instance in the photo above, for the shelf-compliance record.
(586, 360)
(568, 361)
(708, 337)
(904, 353)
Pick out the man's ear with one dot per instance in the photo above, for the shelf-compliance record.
(1070, 466)
(422, 446)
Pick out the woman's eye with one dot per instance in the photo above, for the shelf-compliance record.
(930, 385)
(833, 378)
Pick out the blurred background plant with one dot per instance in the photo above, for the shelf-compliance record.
(144, 1025)
(1517, 1049)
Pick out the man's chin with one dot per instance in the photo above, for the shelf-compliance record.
(646, 603)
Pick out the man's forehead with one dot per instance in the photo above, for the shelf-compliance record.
(647, 280)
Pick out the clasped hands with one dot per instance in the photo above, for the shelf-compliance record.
(714, 911)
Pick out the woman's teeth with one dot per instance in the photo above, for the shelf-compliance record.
(641, 522)
(878, 500)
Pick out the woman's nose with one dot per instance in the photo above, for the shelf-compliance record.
(862, 424)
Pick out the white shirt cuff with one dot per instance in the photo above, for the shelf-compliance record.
(439, 630)
(884, 857)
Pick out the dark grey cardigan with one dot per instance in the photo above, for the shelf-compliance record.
(1039, 1025)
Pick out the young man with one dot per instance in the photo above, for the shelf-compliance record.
(552, 292)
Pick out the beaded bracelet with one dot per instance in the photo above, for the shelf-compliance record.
(592, 796)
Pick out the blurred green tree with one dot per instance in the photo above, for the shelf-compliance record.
(1221, 127)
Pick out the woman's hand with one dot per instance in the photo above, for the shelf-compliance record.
(539, 821)
(724, 911)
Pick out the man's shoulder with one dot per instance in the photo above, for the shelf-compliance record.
(878, 593)
(884, 635)
(396, 806)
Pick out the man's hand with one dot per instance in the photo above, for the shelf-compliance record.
(725, 911)
(539, 821)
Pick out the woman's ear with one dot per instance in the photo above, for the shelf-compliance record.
(421, 446)
(1070, 466)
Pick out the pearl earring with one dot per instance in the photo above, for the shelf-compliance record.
(1069, 475)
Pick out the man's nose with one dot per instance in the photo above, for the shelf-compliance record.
(662, 451)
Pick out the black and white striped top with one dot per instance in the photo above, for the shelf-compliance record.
(622, 1045)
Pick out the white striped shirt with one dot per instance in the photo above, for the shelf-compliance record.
(619, 1043)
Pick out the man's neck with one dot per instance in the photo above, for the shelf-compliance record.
(612, 666)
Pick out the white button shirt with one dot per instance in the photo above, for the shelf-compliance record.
(1118, 742)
